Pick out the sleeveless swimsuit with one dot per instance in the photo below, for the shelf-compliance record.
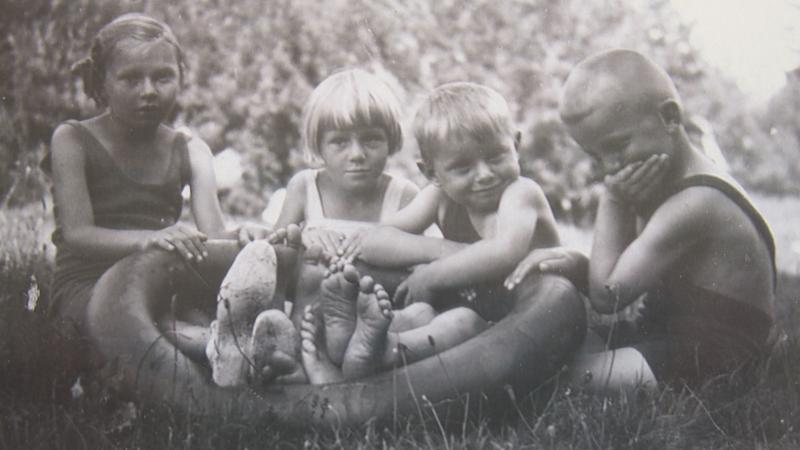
(705, 333)
(315, 214)
(118, 202)
(489, 300)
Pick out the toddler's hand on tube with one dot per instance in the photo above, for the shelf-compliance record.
(558, 260)
(187, 242)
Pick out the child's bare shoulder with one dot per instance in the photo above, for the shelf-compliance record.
(527, 191)
(431, 192)
(409, 189)
(66, 140)
(298, 181)
(698, 210)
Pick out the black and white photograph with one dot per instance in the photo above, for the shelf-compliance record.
(454, 224)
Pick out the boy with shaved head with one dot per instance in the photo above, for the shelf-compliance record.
(672, 225)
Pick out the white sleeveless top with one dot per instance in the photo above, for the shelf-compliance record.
(315, 216)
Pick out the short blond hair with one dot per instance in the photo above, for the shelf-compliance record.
(346, 99)
(459, 110)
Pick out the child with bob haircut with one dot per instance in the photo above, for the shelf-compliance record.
(118, 176)
(351, 125)
(671, 224)
(490, 218)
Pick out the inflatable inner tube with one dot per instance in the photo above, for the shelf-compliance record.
(523, 349)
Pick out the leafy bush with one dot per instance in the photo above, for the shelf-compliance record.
(252, 65)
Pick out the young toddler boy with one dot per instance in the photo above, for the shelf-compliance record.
(703, 254)
(490, 217)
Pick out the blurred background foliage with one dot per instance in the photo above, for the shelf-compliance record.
(252, 64)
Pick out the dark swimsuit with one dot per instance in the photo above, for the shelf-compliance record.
(118, 202)
(490, 300)
(706, 333)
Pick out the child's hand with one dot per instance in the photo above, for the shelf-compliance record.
(249, 232)
(351, 246)
(559, 260)
(188, 242)
(416, 288)
(637, 182)
(328, 240)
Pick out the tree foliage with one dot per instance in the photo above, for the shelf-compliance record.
(252, 65)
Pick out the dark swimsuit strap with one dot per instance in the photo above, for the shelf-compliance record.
(736, 196)
(179, 141)
(456, 224)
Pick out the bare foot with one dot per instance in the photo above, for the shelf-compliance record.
(275, 348)
(368, 344)
(248, 289)
(338, 294)
(319, 368)
(289, 236)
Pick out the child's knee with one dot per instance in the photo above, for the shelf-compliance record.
(467, 320)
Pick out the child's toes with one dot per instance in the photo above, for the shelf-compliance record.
(308, 346)
(350, 273)
(380, 292)
(306, 335)
(367, 284)
(386, 307)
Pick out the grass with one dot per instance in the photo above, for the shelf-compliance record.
(44, 406)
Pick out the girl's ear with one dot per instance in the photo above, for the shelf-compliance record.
(427, 170)
(671, 114)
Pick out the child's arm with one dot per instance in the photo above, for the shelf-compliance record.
(293, 212)
(352, 245)
(623, 265)
(76, 219)
(488, 259)
(294, 205)
(205, 206)
(398, 243)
